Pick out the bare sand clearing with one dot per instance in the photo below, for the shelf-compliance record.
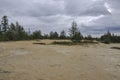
(26, 61)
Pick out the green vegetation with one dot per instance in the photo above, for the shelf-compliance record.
(54, 35)
(69, 43)
(15, 32)
(63, 35)
(75, 34)
(37, 35)
(11, 32)
(110, 38)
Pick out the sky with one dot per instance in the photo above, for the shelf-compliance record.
(93, 17)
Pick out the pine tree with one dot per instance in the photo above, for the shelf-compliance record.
(4, 23)
(37, 35)
(63, 35)
(0, 30)
(106, 38)
(54, 35)
(74, 32)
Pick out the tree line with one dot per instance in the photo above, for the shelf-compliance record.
(110, 38)
(15, 32)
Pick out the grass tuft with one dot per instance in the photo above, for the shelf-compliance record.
(115, 48)
(73, 43)
(40, 43)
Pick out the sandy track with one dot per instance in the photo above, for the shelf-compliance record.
(26, 61)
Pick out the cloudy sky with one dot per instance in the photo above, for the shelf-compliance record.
(92, 16)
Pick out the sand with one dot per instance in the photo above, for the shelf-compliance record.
(24, 60)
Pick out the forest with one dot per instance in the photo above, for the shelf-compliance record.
(16, 32)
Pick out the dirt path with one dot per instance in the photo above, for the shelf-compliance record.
(26, 61)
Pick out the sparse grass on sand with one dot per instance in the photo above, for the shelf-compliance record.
(42, 60)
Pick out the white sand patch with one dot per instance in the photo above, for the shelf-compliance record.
(19, 52)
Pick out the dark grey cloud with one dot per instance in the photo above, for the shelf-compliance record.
(86, 8)
(47, 15)
(96, 10)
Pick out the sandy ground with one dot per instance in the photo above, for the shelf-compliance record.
(26, 61)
